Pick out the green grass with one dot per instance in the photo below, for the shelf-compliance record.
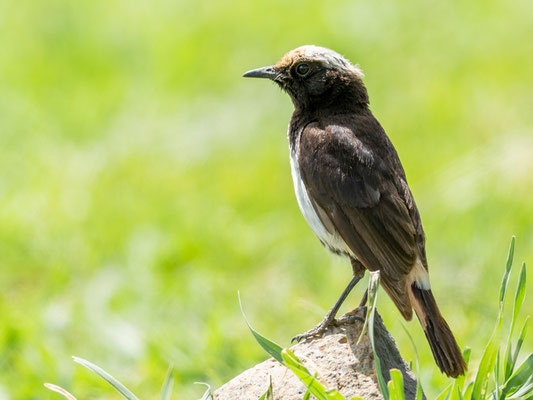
(489, 383)
(144, 181)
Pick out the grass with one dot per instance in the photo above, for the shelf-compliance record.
(144, 181)
(490, 381)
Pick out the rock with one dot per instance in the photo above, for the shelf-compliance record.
(338, 362)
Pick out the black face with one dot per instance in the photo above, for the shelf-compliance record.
(305, 81)
(314, 83)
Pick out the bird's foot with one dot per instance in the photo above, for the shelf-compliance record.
(358, 314)
(327, 322)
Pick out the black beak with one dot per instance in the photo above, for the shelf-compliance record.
(263, 72)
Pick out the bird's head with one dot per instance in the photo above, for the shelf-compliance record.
(315, 77)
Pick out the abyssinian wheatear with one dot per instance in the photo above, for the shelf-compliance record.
(352, 190)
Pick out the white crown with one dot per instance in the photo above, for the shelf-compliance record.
(331, 58)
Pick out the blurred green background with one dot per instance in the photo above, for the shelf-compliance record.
(143, 181)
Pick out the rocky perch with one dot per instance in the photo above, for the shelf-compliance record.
(336, 359)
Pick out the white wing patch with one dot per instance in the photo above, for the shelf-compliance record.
(333, 241)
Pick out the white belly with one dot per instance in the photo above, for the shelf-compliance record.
(333, 241)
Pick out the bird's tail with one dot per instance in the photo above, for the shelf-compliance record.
(443, 345)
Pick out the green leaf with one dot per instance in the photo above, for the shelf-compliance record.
(520, 292)
(459, 394)
(488, 359)
(468, 391)
(168, 384)
(487, 362)
(268, 345)
(294, 364)
(419, 391)
(523, 391)
(517, 305)
(307, 395)
(455, 391)
(315, 387)
(497, 375)
(112, 381)
(466, 354)
(521, 378)
(333, 394)
(457, 387)
(509, 264)
(508, 359)
(521, 338)
(395, 385)
(445, 394)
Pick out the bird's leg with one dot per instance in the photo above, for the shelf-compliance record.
(330, 316)
(364, 299)
(359, 269)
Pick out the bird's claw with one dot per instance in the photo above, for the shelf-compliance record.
(316, 331)
(329, 321)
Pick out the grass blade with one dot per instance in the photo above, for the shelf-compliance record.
(520, 293)
(458, 383)
(59, 390)
(468, 391)
(523, 391)
(460, 395)
(268, 394)
(521, 378)
(207, 394)
(315, 387)
(521, 338)
(268, 345)
(373, 286)
(419, 391)
(457, 386)
(497, 376)
(445, 394)
(289, 359)
(517, 305)
(488, 359)
(395, 385)
(112, 381)
(508, 265)
(166, 390)
(466, 356)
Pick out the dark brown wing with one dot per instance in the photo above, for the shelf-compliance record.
(359, 193)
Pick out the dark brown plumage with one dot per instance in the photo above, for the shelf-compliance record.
(352, 189)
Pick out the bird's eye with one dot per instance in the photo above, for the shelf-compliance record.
(302, 69)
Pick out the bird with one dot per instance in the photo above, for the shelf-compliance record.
(352, 189)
